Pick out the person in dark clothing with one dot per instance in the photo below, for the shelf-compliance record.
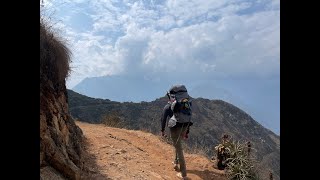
(177, 116)
(167, 113)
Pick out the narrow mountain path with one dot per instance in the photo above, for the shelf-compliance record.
(121, 154)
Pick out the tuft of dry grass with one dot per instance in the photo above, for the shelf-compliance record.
(54, 56)
(112, 120)
(197, 148)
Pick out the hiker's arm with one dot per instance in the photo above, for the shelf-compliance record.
(165, 114)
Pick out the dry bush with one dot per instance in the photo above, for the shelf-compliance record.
(54, 56)
(112, 120)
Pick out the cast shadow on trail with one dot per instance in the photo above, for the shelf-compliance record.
(91, 169)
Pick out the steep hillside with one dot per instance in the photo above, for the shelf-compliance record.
(212, 119)
(258, 96)
(127, 154)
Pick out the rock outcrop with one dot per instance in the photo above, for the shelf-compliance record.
(60, 137)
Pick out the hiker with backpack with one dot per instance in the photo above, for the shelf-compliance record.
(167, 113)
(179, 123)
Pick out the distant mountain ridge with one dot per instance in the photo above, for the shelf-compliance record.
(257, 97)
(212, 119)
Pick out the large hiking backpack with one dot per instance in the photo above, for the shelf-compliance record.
(181, 107)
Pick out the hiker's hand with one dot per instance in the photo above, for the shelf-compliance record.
(162, 133)
(185, 136)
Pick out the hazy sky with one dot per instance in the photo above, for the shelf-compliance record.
(200, 39)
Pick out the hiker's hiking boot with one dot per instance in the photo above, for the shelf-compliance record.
(180, 176)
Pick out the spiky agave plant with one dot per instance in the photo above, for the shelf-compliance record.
(239, 165)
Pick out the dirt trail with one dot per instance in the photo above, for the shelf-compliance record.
(126, 154)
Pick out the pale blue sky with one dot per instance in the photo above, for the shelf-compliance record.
(197, 39)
